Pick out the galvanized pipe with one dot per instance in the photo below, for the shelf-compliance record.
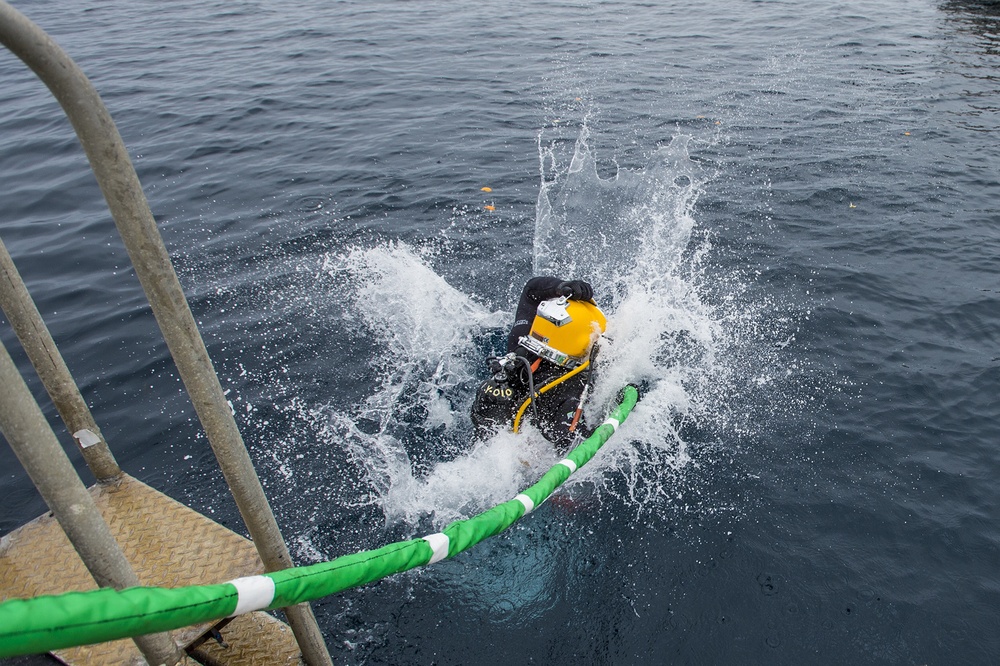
(118, 181)
(41, 349)
(35, 445)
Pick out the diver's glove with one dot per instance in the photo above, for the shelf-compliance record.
(578, 290)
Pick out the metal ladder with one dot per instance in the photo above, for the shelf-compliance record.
(21, 419)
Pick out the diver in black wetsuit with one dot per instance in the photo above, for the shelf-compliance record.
(545, 374)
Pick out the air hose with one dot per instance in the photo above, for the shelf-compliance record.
(531, 387)
(45, 623)
(555, 382)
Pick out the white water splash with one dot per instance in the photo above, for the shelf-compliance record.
(425, 330)
(633, 236)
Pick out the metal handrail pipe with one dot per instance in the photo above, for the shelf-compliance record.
(119, 182)
(41, 349)
(36, 446)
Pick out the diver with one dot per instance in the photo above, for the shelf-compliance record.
(545, 375)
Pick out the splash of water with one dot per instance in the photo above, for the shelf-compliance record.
(411, 436)
(404, 303)
(634, 235)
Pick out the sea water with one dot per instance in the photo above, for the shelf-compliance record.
(786, 209)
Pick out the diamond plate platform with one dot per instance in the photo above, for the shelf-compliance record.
(169, 545)
(254, 639)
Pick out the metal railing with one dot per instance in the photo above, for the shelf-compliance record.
(121, 188)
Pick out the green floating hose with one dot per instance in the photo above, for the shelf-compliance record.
(51, 622)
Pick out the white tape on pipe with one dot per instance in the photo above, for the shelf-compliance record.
(87, 438)
(254, 593)
(439, 544)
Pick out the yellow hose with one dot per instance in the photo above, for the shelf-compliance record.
(555, 382)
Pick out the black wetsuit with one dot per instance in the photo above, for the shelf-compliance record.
(498, 399)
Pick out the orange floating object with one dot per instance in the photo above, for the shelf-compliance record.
(486, 189)
(488, 207)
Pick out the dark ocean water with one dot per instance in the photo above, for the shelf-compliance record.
(787, 208)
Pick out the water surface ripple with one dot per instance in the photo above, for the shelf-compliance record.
(789, 209)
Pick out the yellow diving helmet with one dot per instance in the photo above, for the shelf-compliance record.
(564, 331)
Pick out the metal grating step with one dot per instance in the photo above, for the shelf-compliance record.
(169, 545)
